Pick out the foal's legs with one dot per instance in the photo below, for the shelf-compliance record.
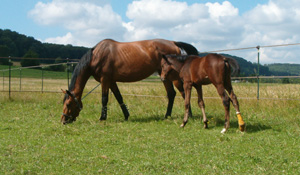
(235, 103)
(179, 85)
(226, 104)
(187, 90)
(114, 88)
(201, 104)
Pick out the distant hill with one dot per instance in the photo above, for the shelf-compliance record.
(284, 69)
(18, 45)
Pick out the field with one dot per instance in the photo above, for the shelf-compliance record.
(33, 141)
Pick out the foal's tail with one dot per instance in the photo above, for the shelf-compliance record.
(234, 65)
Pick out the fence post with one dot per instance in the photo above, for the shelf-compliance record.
(9, 77)
(258, 47)
(3, 80)
(20, 78)
(68, 70)
(42, 80)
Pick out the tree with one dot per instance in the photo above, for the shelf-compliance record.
(60, 68)
(25, 62)
(4, 52)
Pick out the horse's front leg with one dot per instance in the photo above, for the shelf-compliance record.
(179, 85)
(171, 96)
(114, 88)
(187, 90)
(105, 90)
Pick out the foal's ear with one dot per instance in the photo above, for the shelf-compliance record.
(165, 57)
(69, 93)
(63, 91)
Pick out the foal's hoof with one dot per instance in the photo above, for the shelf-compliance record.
(223, 131)
(242, 127)
(182, 125)
(205, 125)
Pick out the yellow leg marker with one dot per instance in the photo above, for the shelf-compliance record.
(241, 122)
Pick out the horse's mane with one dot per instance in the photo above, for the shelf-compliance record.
(180, 58)
(186, 49)
(83, 62)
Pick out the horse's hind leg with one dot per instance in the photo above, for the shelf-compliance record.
(114, 88)
(235, 103)
(202, 105)
(226, 104)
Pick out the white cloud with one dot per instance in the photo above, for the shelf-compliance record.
(210, 26)
(86, 21)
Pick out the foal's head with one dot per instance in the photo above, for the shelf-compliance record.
(165, 69)
(72, 107)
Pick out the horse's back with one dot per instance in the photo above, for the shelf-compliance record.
(131, 61)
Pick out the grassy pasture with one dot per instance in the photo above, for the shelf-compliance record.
(32, 140)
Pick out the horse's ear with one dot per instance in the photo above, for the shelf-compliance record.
(69, 93)
(63, 91)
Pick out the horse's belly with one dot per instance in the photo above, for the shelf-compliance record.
(132, 75)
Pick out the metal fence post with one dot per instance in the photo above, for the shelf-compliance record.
(9, 77)
(42, 80)
(3, 80)
(20, 78)
(68, 70)
(258, 47)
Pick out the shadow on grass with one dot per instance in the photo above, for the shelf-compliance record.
(146, 119)
(250, 128)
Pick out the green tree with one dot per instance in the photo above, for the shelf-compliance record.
(4, 52)
(30, 62)
(60, 68)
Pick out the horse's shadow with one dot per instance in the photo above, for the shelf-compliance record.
(250, 127)
(152, 118)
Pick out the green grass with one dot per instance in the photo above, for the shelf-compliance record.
(32, 140)
(32, 73)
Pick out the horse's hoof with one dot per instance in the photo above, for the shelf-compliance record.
(223, 131)
(242, 127)
(102, 118)
(182, 125)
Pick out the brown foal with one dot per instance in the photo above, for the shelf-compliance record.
(196, 71)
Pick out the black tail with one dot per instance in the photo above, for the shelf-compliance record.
(235, 67)
(186, 49)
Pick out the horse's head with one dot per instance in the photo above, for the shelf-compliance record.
(165, 68)
(71, 109)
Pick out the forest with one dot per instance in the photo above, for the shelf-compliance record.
(21, 46)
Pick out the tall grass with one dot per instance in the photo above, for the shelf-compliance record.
(33, 141)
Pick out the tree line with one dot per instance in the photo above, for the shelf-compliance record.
(17, 45)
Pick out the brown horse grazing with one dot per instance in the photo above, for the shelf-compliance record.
(196, 71)
(111, 61)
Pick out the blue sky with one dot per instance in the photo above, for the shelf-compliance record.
(207, 24)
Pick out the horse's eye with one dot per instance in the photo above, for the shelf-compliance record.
(68, 104)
